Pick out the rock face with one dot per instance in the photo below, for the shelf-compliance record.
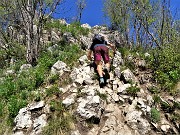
(28, 121)
(59, 68)
(110, 110)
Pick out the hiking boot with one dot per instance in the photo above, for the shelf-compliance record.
(107, 76)
(101, 80)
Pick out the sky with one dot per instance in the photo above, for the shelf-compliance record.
(93, 13)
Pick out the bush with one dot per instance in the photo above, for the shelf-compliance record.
(155, 115)
(14, 105)
(133, 90)
(53, 78)
(1, 108)
(61, 122)
(156, 99)
(7, 88)
(46, 60)
(53, 90)
(69, 54)
(166, 62)
(26, 81)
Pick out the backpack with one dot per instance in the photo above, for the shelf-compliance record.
(98, 37)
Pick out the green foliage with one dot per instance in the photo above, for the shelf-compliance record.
(60, 125)
(156, 99)
(46, 60)
(175, 117)
(165, 106)
(13, 50)
(53, 78)
(26, 81)
(69, 54)
(75, 28)
(1, 108)
(177, 105)
(14, 105)
(124, 51)
(7, 88)
(39, 75)
(130, 64)
(53, 90)
(56, 106)
(61, 120)
(38, 97)
(64, 52)
(155, 115)
(154, 90)
(133, 90)
(165, 63)
(103, 96)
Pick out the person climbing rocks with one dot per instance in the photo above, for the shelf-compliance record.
(100, 49)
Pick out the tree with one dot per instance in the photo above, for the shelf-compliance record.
(146, 21)
(118, 12)
(27, 16)
(81, 4)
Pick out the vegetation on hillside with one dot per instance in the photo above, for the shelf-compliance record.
(151, 33)
(147, 27)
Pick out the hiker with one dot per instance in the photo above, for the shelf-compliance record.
(100, 48)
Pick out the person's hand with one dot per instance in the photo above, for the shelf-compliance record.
(89, 58)
(114, 53)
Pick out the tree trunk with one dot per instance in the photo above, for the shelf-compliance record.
(31, 54)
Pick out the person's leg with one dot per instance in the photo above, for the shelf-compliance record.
(106, 58)
(99, 68)
(107, 66)
(97, 60)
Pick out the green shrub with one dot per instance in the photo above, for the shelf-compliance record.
(103, 96)
(39, 74)
(26, 81)
(53, 90)
(14, 105)
(7, 88)
(166, 107)
(124, 51)
(155, 115)
(130, 64)
(24, 95)
(59, 125)
(13, 50)
(18, 64)
(156, 99)
(166, 62)
(53, 78)
(1, 108)
(176, 105)
(133, 90)
(46, 60)
(153, 90)
(60, 121)
(175, 117)
(70, 54)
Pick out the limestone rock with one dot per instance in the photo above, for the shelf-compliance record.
(59, 67)
(25, 67)
(128, 76)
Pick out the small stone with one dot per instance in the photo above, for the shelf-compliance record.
(165, 128)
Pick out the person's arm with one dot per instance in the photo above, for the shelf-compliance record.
(89, 55)
(112, 47)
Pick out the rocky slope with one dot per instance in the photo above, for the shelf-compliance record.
(122, 107)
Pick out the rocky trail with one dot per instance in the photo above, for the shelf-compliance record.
(122, 107)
